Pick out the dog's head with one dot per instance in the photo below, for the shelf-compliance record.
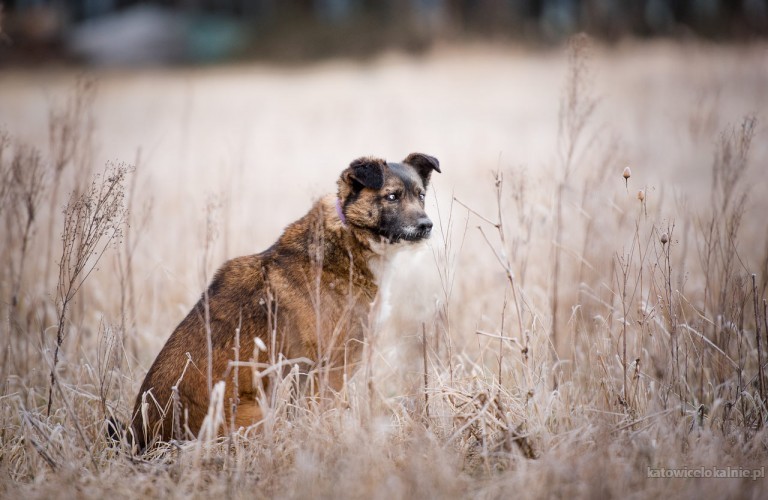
(387, 199)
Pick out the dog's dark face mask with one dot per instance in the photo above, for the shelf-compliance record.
(387, 199)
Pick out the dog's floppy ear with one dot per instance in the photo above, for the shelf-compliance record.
(365, 172)
(424, 165)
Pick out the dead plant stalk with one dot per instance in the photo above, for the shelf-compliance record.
(93, 220)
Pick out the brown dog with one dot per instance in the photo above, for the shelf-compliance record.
(307, 297)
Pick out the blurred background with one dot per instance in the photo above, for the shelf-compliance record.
(126, 32)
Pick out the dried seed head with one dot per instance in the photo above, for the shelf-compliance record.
(627, 173)
(664, 238)
(641, 195)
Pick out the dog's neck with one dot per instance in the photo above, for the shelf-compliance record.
(340, 212)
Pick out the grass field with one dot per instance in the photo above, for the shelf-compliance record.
(567, 331)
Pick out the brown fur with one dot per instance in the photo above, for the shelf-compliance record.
(313, 288)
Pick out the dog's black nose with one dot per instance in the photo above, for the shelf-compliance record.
(424, 225)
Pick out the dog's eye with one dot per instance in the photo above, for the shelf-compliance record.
(422, 196)
(392, 197)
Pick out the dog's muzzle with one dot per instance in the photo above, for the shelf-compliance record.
(421, 230)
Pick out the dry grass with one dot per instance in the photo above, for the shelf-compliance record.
(560, 335)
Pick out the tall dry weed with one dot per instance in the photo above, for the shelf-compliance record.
(577, 105)
(93, 223)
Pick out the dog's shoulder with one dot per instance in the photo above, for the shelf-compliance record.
(241, 275)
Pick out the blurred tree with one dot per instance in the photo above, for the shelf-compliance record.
(318, 28)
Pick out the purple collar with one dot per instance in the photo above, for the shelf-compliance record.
(340, 213)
